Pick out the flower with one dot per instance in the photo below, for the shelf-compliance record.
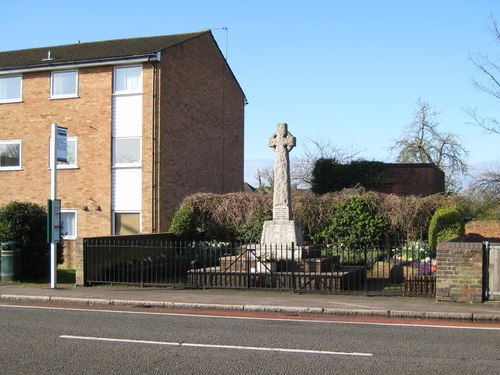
(424, 268)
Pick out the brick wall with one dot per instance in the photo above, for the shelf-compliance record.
(488, 229)
(201, 125)
(87, 117)
(459, 275)
(412, 179)
(79, 262)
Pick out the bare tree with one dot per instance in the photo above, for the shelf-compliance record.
(422, 142)
(489, 84)
(302, 167)
(265, 178)
(487, 182)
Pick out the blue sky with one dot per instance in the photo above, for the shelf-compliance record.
(349, 72)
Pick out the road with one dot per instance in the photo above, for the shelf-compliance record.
(64, 341)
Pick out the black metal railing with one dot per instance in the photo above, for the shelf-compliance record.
(161, 260)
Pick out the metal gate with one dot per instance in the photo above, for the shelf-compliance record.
(491, 272)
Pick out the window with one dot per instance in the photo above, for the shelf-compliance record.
(126, 152)
(10, 155)
(128, 79)
(127, 223)
(64, 84)
(68, 224)
(10, 89)
(72, 154)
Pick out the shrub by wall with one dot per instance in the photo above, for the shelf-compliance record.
(328, 175)
(27, 223)
(447, 222)
(356, 220)
(237, 216)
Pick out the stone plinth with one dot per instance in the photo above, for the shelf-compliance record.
(282, 235)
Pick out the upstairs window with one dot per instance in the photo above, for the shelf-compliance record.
(10, 89)
(10, 155)
(64, 84)
(128, 79)
(127, 152)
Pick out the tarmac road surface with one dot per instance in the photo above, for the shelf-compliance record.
(62, 341)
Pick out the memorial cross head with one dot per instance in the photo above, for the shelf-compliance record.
(282, 138)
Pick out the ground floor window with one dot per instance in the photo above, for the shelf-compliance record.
(68, 224)
(10, 155)
(127, 223)
(72, 154)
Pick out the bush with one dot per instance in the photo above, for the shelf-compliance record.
(237, 216)
(328, 175)
(355, 221)
(252, 231)
(447, 222)
(27, 223)
(184, 223)
(222, 217)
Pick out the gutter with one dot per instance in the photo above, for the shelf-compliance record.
(84, 64)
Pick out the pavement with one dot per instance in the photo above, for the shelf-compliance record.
(252, 301)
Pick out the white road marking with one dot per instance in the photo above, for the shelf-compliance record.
(205, 316)
(215, 346)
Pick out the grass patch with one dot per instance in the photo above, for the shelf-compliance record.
(66, 276)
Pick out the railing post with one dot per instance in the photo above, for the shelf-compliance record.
(366, 269)
(249, 265)
(293, 284)
(486, 265)
(205, 274)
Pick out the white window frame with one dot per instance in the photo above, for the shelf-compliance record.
(20, 98)
(68, 95)
(60, 164)
(126, 212)
(14, 168)
(75, 212)
(127, 165)
(139, 91)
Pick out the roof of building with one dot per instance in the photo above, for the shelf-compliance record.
(91, 51)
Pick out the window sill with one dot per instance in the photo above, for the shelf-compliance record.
(125, 93)
(8, 169)
(65, 168)
(134, 166)
(11, 101)
(64, 97)
(70, 167)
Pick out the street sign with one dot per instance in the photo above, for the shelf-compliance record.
(54, 221)
(61, 143)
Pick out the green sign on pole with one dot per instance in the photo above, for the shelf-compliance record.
(53, 220)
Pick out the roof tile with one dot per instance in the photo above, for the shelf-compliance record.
(92, 51)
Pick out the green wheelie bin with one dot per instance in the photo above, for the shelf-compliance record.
(10, 260)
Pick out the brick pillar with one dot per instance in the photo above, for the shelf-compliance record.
(459, 275)
(79, 261)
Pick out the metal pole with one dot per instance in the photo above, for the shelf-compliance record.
(53, 197)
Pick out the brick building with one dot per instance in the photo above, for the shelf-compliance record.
(150, 120)
(419, 179)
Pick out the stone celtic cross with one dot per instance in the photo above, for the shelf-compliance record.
(282, 141)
